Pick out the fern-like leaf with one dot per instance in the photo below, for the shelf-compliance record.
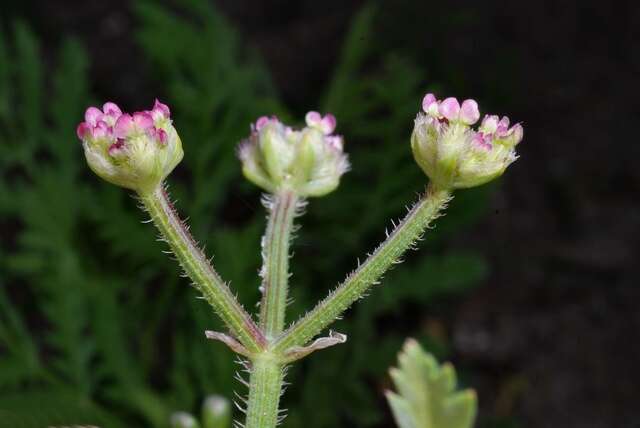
(427, 395)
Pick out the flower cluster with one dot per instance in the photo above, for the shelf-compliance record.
(309, 161)
(453, 154)
(136, 151)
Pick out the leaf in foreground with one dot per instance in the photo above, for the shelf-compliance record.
(426, 392)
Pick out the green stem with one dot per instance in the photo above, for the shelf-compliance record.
(275, 270)
(265, 387)
(400, 240)
(196, 265)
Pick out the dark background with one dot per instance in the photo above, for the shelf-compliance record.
(550, 336)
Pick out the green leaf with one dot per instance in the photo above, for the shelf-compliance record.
(70, 91)
(5, 84)
(357, 47)
(52, 407)
(426, 392)
(30, 83)
(22, 360)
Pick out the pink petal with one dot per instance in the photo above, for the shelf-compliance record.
(481, 142)
(518, 132)
(328, 124)
(335, 142)
(92, 115)
(261, 122)
(116, 148)
(162, 108)
(162, 137)
(427, 102)
(101, 130)
(450, 108)
(469, 112)
(124, 126)
(111, 109)
(503, 126)
(489, 124)
(82, 131)
(313, 118)
(160, 111)
(142, 120)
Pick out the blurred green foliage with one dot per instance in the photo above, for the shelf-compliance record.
(96, 325)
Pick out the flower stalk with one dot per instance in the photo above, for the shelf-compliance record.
(275, 252)
(403, 237)
(196, 266)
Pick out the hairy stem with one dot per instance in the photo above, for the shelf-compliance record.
(275, 270)
(196, 265)
(400, 240)
(265, 388)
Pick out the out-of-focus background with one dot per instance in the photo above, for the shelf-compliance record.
(529, 285)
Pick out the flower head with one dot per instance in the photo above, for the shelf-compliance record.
(452, 153)
(136, 151)
(309, 161)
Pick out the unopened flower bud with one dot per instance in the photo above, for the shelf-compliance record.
(136, 151)
(453, 154)
(183, 420)
(216, 412)
(309, 161)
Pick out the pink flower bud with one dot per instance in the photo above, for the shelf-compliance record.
(469, 112)
(116, 148)
(83, 130)
(489, 124)
(160, 112)
(480, 142)
(263, 121)
(162, 136)
(427, 101)
(518, 132)
(134, 151)
(163, 108)
(142, 120)
(124, 126)
(313, 118)
(92, 115)
(450, 108)
(430, 105)
(326, 124)
(101, 130)
(335, 142)
(111, 109)
(503, 127)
